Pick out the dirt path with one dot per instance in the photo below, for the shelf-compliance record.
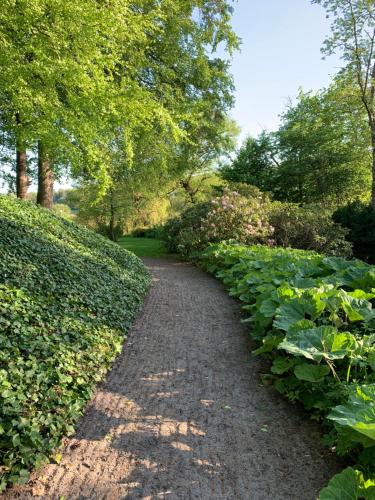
(183, 414)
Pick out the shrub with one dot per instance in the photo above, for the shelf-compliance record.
(67, 297)
(360, 220)
(308, 228)
(104, 230)
(154, 232)
(230, 216)
(176, 230)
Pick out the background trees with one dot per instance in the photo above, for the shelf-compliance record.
(319, 154)
(76, 76)
(353, 36)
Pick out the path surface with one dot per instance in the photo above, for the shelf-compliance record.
(183, 414)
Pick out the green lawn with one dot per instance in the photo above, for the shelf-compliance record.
(144, 247)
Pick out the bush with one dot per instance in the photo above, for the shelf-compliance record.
(177, 229)
(313, 317)
(308, 228)
(104, 230)
(67, 297)
(360, 220)
(254, 219)
(154, 232)
(230, 216)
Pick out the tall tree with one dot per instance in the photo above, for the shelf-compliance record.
(323, 148)
(256, 163)
(74, 72)
(319, 154)
(353, 35)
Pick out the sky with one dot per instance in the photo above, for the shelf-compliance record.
(280, 52)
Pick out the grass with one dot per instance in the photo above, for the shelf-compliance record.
(144, 247)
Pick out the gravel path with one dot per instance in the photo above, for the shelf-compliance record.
(183, 414)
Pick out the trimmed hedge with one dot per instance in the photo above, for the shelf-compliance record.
(67, 298)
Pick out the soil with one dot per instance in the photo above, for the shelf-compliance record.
(183, 413)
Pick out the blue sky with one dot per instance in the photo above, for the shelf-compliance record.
(281, 41)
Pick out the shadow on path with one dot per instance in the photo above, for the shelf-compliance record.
(183, 415)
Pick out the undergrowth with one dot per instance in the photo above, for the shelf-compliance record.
(313, 318)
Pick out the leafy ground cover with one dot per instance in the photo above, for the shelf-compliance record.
(67, 297)
(144, 247)
(313, 317)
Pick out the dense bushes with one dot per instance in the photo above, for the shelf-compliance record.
(67, 297)
(308, 228)
(249, 217)
(360, 220)
(313, 317)
(230, 216)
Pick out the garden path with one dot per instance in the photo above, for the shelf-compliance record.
(183, 414)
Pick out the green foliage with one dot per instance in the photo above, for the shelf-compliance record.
(319, 154)
(230, 216)
(248, 216)
(349, 484)
(323, 148)
(353, 36)
(313, 316)
(359, 218)
(67, 298)
(255, 163)
(91, 79)
(358, 413)
(179, 230)
(308, 228)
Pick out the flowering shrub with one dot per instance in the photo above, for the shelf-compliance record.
(254, 219)
(233, 216)
(226, 217)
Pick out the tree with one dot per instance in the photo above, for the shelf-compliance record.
(256, 163)
(353, 35)
(323, 149)
(75, 73)
(319, 154)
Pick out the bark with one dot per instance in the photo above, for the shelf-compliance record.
(45, 178)
(112, 224)
(373, 164)
(22, 179)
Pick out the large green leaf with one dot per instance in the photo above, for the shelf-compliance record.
(357, 309)
(311, 373)
(323, 342)
(343, 486)
(359, 412)
(296, 310)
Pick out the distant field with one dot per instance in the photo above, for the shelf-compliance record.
(144, 247)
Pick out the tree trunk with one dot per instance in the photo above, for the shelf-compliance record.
(373, 163)
(45, 178)
(112, 224)
(22, 179)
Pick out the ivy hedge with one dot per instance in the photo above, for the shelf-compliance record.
(67, 298)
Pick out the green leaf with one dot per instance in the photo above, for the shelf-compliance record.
(359, 412)
(343, 486)
(323, 342)
(311, 373)
(282, 365)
